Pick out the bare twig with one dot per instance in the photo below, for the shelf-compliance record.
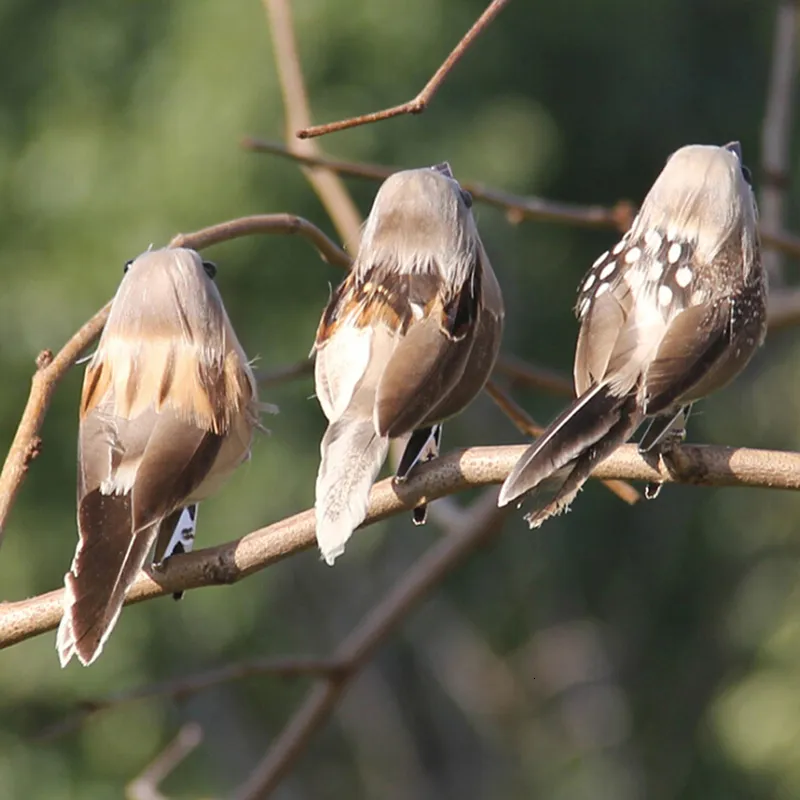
(526, 425)
(517, 207)
(145, 787)
(520, 418)
(440, 560)
(264, 223)
(325, 182)
(275, 377)
(49, 372)
(700, 465)
(525, 374)
(776, 129)
(421, 101)
(186, 686)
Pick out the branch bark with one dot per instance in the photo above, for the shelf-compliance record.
(700, 465)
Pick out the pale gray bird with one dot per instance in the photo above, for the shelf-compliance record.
(673, 312)
(168, 409)
(406, 341)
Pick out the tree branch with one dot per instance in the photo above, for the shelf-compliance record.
(26, 445)
(517, 208)
(419, 103)
(776, 129)
(186, 686)
(700, 465)
(287, 224)
(356, 650)
(145, 787)
(326, 183)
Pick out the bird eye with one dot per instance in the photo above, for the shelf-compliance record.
(211, 269)
(467, 198)
(127, 265)
(748, 176)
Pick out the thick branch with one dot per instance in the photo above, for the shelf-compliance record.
(701, 465)
(419, 103)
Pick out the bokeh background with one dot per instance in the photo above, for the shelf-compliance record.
(647, 652)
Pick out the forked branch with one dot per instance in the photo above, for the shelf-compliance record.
(419, 103)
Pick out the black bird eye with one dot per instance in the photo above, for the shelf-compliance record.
(748, 176)
(467, 198)
(211, 269)
(127, 265)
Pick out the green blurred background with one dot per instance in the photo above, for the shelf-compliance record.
(648, 652)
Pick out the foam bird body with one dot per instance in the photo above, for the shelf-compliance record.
(407, 340)
(167, 412)
(672, 313)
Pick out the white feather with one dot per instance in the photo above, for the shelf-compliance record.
(340, 366)
(352, 456)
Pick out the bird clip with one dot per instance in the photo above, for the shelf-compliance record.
(168, 409)
(673, 312)
(406, 341)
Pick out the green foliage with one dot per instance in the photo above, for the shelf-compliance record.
(618, 653)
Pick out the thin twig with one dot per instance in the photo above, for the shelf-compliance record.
(356, 650)
(275, 377)
(776, 130)
(419, 103)
(325, 182)
(525, 374)
(287, 224)
(700, 465)
(181, 688)
(526, 425)
(145, 787)
(517, 207)
(49, 372)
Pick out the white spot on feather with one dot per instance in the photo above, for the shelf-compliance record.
(589, 282)
(632, 256)
(601, 290)
(600, 260)
(664, 295)
(607, 270)
(655, 271)
(683, 277)
(674, 253)
(653, 239)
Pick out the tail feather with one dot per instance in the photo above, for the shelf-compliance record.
(584, 424)
(102, 570)
(555, 494)
(352, 456)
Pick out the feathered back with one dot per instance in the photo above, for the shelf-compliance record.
(420, 223)
(703, 197)
(168, 340)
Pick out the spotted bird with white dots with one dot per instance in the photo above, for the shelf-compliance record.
(673, 312)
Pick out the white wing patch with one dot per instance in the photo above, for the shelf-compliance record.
(340, 365)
